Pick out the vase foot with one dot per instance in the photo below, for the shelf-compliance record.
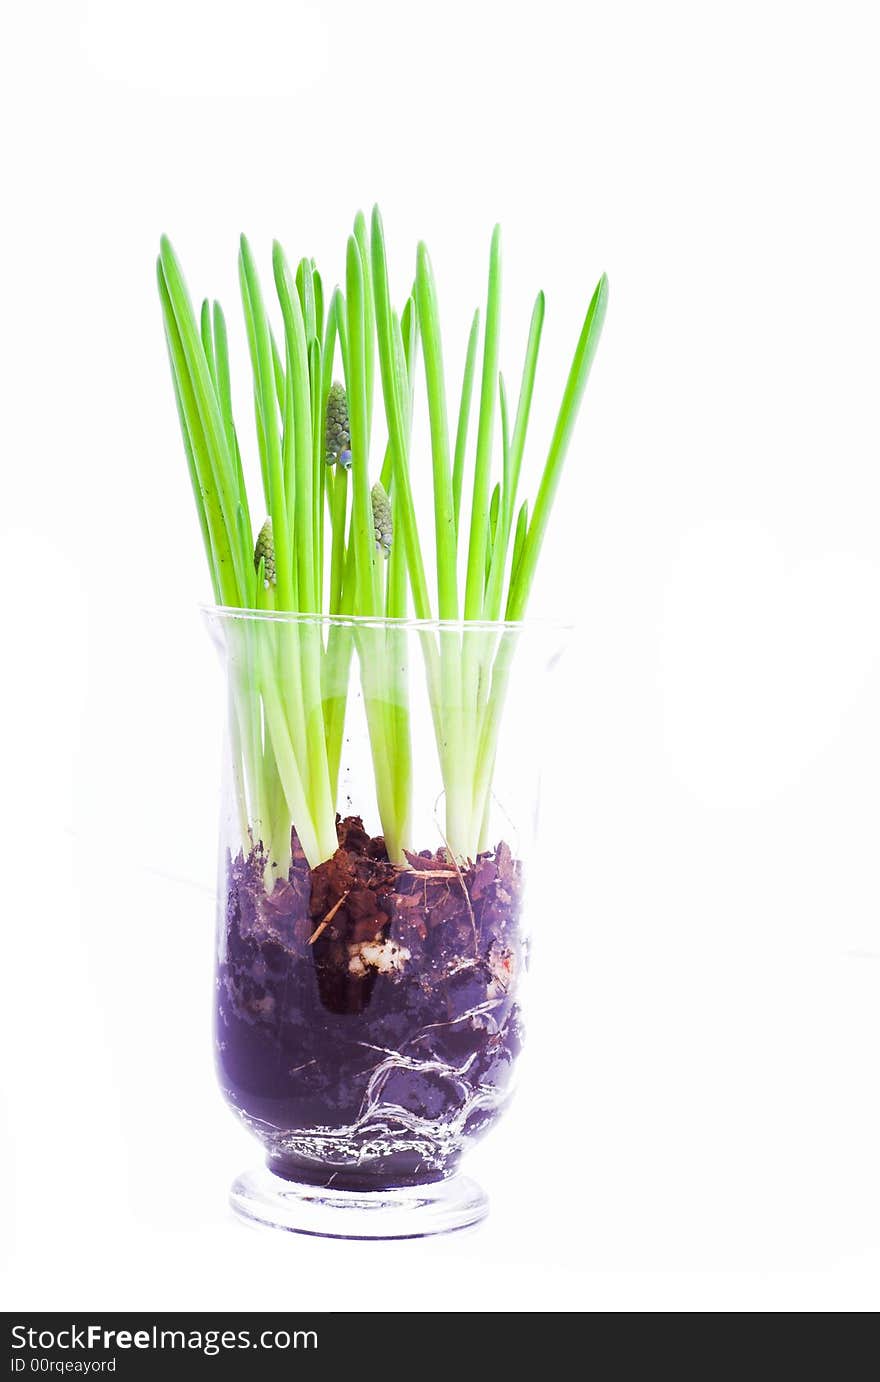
(408, 1212)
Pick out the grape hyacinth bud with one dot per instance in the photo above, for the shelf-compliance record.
(265, 552)
(337, 434)
(382, 518)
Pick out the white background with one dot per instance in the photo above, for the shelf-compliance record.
(698, 1124)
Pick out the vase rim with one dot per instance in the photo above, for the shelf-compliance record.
(367, 621)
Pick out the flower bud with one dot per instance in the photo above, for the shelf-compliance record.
(382, 518)
(265, 552)
(337, 433)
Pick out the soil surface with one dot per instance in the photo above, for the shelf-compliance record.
(367, 1018)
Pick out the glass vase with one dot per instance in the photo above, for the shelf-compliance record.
(379, 807)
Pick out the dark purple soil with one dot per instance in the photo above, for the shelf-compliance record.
(366, 1014)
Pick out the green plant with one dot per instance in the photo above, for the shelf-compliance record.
(289, 686)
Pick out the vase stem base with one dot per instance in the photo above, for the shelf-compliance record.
(419, 1211)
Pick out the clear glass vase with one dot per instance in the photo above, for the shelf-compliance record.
(380, 797)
